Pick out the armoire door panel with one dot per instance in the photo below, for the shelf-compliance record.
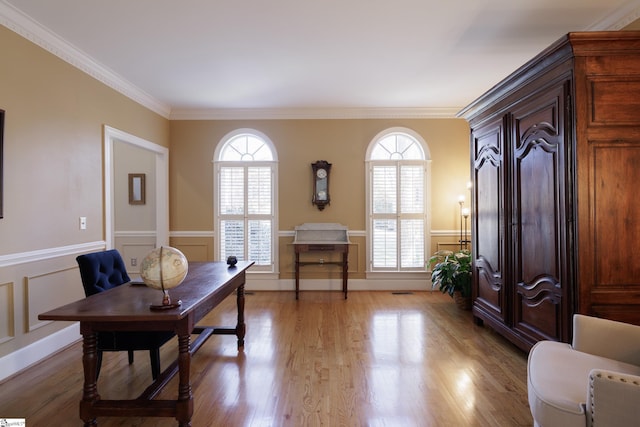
(488, 242)
(488, 217)
(536, 230)
(538, 213)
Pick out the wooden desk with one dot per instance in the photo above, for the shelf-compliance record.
(126, 308)
(323, 247)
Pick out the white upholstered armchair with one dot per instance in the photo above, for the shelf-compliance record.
(595, 381)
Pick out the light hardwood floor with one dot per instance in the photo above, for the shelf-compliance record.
(376, 359)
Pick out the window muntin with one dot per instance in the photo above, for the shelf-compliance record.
(247, 148)
(397, 146)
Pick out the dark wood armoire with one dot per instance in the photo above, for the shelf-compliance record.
(555, 161)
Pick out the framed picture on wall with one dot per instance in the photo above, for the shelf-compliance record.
(137, 189)
(1, 161)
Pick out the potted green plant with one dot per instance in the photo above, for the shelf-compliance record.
(451, 273)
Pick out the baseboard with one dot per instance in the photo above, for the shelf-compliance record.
(20, 360)
(257, 284)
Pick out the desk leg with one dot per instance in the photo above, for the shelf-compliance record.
(90, 366)
(184, 406)
(240, 327)
(297, 274)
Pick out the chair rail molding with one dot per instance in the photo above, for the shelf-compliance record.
(49, 253)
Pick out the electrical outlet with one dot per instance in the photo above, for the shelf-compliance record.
(134, 262)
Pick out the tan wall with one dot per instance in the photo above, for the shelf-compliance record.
(53, 174)
(634, 26)
(53, 146)
(299, 143)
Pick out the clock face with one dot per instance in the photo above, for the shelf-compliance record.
(321, 173)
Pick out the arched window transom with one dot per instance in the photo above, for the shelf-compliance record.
(246, 148)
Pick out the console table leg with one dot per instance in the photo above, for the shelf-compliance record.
(240, 327)
(297, 274)
(345, 272)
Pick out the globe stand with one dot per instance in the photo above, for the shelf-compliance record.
(166, 303)
(166, 299)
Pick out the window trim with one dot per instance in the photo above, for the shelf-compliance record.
(426, 161)
(273, 164)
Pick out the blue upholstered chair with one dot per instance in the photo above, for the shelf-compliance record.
(101, 271)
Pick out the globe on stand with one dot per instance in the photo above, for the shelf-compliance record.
(164, 268)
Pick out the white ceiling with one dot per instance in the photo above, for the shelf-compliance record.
(277, 58)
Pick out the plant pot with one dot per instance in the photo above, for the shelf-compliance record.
(463, 303)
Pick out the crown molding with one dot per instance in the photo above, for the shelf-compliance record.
(25, 26)
(313, 113)
(619, 18)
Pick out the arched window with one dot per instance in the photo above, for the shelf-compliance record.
(245, 166)
(397, 201)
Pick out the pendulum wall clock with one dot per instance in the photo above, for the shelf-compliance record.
(321, 170)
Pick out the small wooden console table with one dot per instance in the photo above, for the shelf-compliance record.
(322, 237)
(126, 308)
(323, 247)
